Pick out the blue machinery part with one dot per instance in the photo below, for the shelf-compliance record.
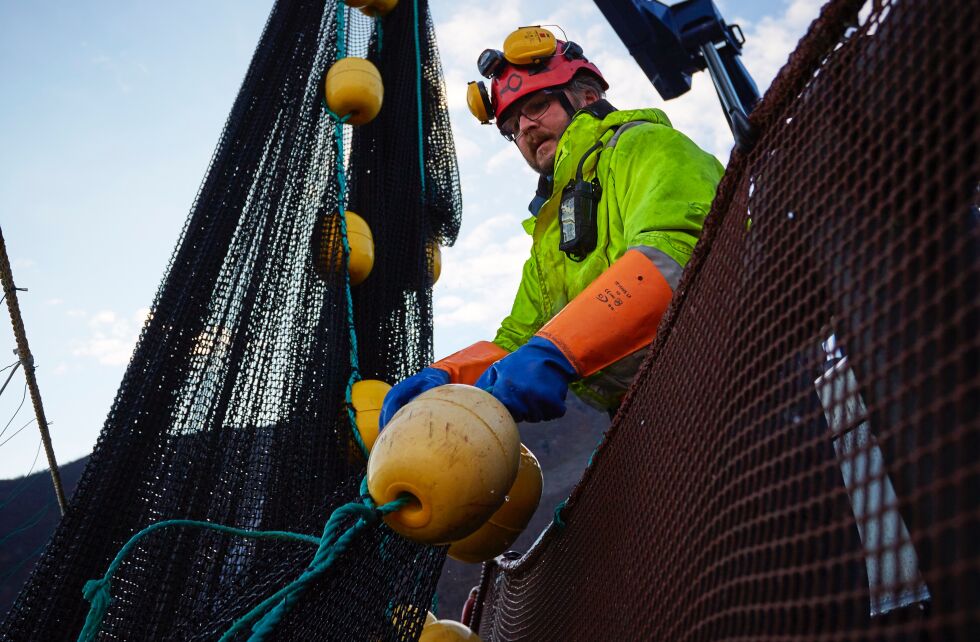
(673, 42)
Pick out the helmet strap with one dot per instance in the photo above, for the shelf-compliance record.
(565, 103)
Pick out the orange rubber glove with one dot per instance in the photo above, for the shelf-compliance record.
(616, 315)
(468, 364)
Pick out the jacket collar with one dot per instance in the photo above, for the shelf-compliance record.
(589, 124)
(587, 128)
(599, 109)
(542, 194)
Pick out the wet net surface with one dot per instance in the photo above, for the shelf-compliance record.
(233, 407)
(800, 456)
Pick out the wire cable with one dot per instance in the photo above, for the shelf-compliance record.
(16, 567)
(16, 412)
(30, 523)
(2, 443)
(9, 377)
(24, 482)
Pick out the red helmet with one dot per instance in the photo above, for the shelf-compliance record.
(532, 60)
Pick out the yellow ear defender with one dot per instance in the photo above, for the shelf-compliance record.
(529, 46)
(478, 100)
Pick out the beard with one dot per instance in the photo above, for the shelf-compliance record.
(541, 161)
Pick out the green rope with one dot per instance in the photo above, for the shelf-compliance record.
(275, 607)
(418, 96)
(355, 374)
(559, 520)
(330, 545)
(341, 29)
(97, 591)
(379, 30)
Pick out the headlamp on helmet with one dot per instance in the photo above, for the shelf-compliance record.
(490, 62)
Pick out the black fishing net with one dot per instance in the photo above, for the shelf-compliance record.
(233, 407)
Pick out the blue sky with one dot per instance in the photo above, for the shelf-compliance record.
(111, 111)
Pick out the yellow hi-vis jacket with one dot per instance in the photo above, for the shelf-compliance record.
(657, 187)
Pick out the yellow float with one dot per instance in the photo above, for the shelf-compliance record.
(361, 243)
(435, 258)
(328, 255)
(448, 631)
(455, 450)
(353, 87)
(506, 525)
(377, 8)
(367, 396)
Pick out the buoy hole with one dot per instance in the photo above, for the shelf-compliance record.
(416, 513)
(414, 503)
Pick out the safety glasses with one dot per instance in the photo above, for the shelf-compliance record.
(534, 109)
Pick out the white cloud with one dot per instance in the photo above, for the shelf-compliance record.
(112, 337)
(479, 278)
(55, 301)
(461, 37)
(121, 67)
(448, 303)
(465, 147)
(770, 41)
(502, 159)
(22, 264)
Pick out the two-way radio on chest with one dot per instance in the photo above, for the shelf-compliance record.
(578, 210)
(579, 206)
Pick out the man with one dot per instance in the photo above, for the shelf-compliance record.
(619, 207)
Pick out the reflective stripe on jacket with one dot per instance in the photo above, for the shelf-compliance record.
(657, 187)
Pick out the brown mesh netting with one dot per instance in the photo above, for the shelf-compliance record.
(799, 456)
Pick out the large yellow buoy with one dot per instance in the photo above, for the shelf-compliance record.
(367, 396)
(353, 86)
(377, 8)
(435, 261)
(455, 449)
(328, 252)
(506, 525)
(448, 631)
(361, 243)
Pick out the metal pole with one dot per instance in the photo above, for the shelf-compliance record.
(24, 353)
(730, 102)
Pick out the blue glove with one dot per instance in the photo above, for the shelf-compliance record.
(532, 381)
(409, 389)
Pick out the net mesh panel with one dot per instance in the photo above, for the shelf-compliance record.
(232, 409)
(800, 455)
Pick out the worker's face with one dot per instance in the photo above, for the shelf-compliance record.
(539, 132)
